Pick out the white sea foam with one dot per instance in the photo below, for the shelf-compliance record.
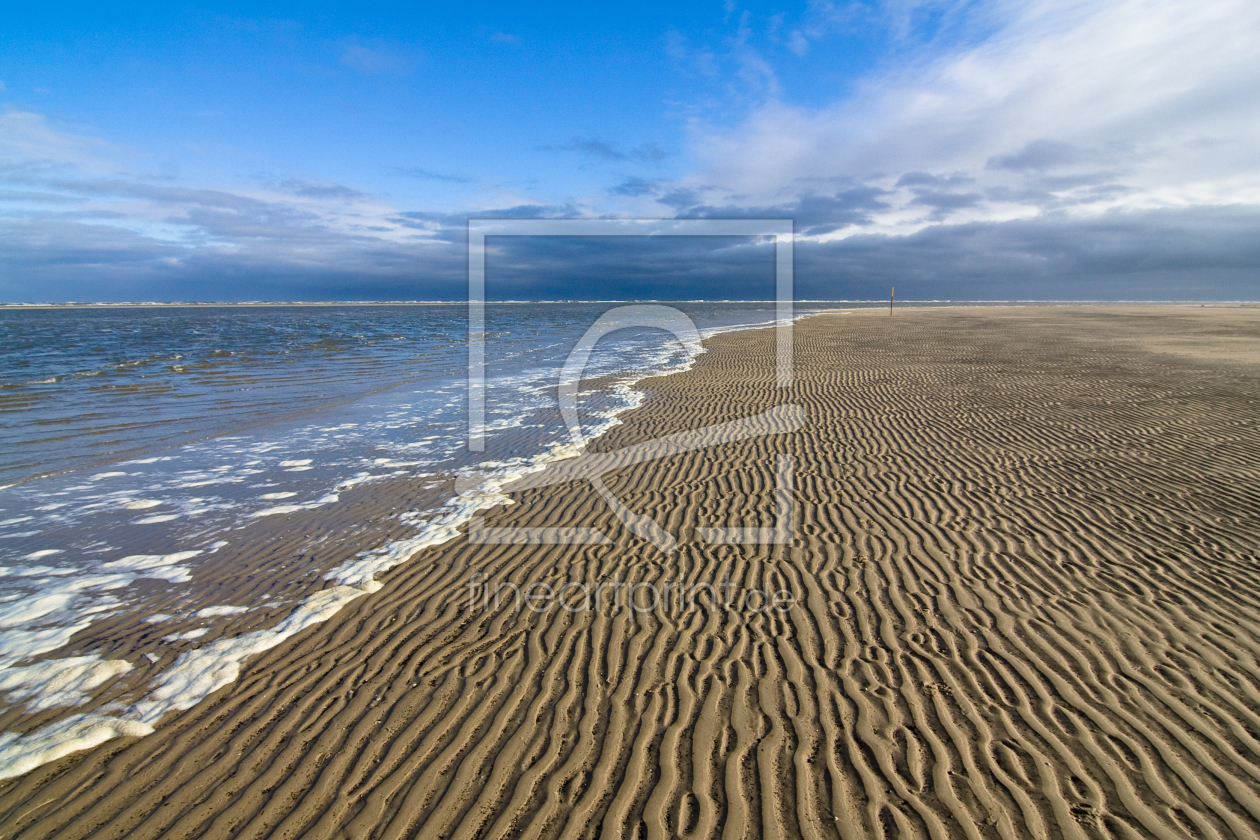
(33, 571)
(215, 479)
(272, 496)
(170, 574)
(198, 673)
(187, 636)
(60, 682)
(22, 753)
(151, 561)
(28, 610)
(58, 603)
(16, 645)
(141, 504)
(391, 464)
(211, 612)
(364, 478)
(277, 509)
(48, 552)
(272, 511)
(441, 528)
(305, 462)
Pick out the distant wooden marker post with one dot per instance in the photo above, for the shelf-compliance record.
(892, 293)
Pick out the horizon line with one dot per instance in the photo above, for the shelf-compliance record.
(458, 302)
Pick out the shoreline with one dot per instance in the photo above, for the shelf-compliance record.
(200, 671)
(892, 542)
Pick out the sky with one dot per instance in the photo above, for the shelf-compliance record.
(1044, 149)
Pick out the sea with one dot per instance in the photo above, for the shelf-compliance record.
(136, 441)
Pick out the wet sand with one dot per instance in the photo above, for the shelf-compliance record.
(1022, 599)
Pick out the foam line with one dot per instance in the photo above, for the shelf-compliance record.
(60, 682)
(151, 561)
(22, 753)
(16, 645)
(211, 612)
(198, 673)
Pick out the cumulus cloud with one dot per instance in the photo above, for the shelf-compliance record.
(1074, 150)
(1148, 96)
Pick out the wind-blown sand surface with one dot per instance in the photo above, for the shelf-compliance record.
(1026, 562)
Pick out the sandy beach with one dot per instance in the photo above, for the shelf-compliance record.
(1020, 598)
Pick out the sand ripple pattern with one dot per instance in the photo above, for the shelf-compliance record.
(1028, 606)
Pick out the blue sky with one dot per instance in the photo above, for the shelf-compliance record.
(334, 151)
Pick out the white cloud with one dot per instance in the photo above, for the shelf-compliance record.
(1075, 107)
(76, 218)
(307, 218)
(28, 141)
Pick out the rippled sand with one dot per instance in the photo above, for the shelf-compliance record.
(1026, 564)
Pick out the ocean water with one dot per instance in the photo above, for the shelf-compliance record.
(135, 442)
